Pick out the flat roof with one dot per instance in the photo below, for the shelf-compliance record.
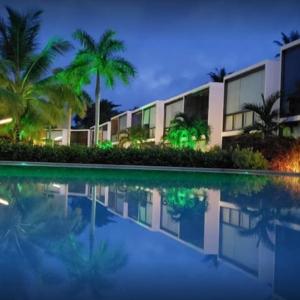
(249, 69)
(197, 89)
(290, 45)
(146, 106)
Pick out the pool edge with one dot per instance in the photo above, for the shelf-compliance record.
(147, 168)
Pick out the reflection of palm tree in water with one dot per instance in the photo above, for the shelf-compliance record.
(32, 227)
(184, 201)
(263, 220)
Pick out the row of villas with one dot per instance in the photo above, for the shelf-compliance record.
(219, 104)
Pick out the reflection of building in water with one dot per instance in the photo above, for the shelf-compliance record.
(266, 249)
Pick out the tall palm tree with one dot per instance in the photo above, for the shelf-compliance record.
(102, 60)
(266, 121)
(218, 75)
(287, 38)
(25, 95)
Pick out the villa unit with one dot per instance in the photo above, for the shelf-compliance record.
(247, 86)
(204, 102)
(119, 125)
(149, 117)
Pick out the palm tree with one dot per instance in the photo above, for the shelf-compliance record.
(102, 60)
(135, 136)
(218, 75)
(187, 132)
(287, 38)
(25, 93)
(266, 121)
(76, 99)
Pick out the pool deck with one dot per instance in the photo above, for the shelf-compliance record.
(146, 168)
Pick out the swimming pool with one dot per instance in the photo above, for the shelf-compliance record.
(105, 234)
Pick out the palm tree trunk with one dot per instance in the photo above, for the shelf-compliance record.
(69, 126)
(97, 109)
(93, 219)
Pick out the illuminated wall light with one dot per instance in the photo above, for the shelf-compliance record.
(5, 121)
(3, 202)
(58, 138)
(56, 185)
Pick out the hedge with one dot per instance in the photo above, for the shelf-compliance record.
(154, 156)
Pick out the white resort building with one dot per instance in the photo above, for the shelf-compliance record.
(219, 104)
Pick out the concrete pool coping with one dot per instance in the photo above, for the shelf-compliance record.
(146, 168)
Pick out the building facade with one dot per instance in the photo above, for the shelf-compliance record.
(218, 104)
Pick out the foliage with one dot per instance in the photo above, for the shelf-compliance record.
(289, 160)
(187, 132)
(153, 156)
(105, 145)
(218, 75)
(266, 120)
(134, 137)
(248, 159)
(102, 59)
(287, 38)
(26, 93)
(108, 110)
(270, 146)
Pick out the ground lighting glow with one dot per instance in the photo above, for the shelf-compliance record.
(5, 121)
(3, 202)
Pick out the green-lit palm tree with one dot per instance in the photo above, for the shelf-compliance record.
(218, 74)
(101, 58)
(266, 121)
(187, 132)
(25, 94)
(75, 98)
(287, 38)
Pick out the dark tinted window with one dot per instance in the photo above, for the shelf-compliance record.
(196, 105)
(290, 102)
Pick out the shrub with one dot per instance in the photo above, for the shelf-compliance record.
(288, 161)
(248, 159)
(270, 146)
(154, 156)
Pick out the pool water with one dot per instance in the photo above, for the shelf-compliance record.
(103, 234)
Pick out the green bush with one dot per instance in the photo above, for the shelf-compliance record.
(248, 159)
(154, 156)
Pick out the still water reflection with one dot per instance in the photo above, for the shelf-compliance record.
(172, 237)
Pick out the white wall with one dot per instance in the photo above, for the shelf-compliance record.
(159, 121)
(215, 113)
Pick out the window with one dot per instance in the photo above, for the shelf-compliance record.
(123, 122)
(137, 118)
(196, 105)
(149, 117)
(245, 89)
(290, 83)
(172, 109)
(238, 121)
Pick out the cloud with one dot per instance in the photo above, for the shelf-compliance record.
(152, 79)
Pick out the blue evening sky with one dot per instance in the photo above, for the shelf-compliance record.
(172, 43)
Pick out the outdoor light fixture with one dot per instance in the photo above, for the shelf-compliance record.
(5, 121)
(58, 138)
(4, 202)
(56, 185)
